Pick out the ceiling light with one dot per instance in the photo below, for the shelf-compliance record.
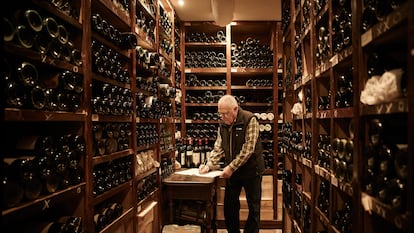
(181, 2)
(222, 11)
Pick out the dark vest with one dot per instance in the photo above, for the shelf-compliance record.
(255, 164)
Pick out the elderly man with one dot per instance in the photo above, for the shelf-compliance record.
(238, 142)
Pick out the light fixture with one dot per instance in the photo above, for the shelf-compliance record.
(181, 2)
(222, 11)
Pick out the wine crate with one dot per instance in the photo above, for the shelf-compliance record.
(145, 218)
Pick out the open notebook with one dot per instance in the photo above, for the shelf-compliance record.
(194, 172)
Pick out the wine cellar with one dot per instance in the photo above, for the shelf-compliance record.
(104, 102)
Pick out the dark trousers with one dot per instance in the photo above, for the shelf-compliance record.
(253, 189)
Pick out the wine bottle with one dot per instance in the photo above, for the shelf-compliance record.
(203, 152)
(197, 153)
(189, 153)
(31, 19)
(50, 179)
(27, 74)
(117, 208)
(382, 184)
(37, 97)
(386, 160)
(15, 94)
(401, 161)
(9, 30)
(75, 174)
(128, 40)
(376, 129)
(99, 221)
(182, 153)
(25, 36)
(398, 194)
(70, 223)
(109, 213)
(371, 168)
(25, 171)
(13, 191)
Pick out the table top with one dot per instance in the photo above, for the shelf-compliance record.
(178, 179)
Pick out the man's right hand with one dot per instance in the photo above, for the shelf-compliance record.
(203, 169)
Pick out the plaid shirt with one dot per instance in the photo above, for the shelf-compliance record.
(252, 134)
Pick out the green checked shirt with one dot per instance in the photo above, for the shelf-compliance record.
(248, 147)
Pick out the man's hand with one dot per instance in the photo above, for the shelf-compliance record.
(203, 169)
(227, 172)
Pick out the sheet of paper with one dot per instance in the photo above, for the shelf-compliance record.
(194, 172)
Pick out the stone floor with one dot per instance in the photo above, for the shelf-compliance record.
(196, 229)
(261, 231)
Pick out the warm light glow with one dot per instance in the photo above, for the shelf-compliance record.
(222, 11)
(181, 2)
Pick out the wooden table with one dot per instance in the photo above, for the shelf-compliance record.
(191, 187)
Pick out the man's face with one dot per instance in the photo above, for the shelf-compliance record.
(227, 114)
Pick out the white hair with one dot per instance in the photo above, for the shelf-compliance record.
(228, 100)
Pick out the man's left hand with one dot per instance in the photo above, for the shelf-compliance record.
(227, 172)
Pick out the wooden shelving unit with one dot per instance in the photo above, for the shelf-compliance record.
(316, 59)
(21, 121)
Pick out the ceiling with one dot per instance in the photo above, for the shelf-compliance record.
(244, 10)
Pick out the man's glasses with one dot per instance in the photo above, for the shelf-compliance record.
(220, 115)
(223, 114)
(226, 113)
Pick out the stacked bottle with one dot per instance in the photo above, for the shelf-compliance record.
(27, 88)
(385, 167)
(202, 37)
(109, 175)
(250, 53)
(205, 59)
(42, 33)
(147, 25)
(124, 40)
(110, 137)
(55, 164)
(109, 63)
(108, 99)
(106, 213)
(146, 186)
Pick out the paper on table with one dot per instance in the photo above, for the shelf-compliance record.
(194, 172)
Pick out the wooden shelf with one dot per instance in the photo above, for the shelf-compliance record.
(98, 159)
(115, 190)
(42, 203)
(206, 70)
(400, 220)
(29, 54)
(27, 115)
